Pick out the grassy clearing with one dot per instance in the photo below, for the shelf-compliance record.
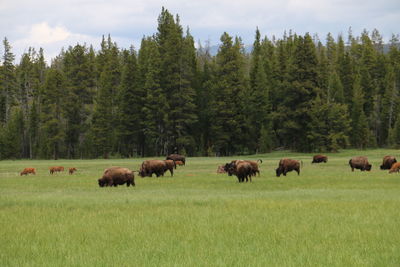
(327, 216)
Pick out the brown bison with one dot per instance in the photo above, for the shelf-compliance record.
(287, 165)
(72, 170)
(387, 163)
(395, 167)
(360, 163)
(253, 164)
(26, 171)
(56, 169)
(158, 167)
(242, 170)
(176, 157)
(319, 159)
(115, 176)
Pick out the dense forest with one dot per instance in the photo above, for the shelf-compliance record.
(296, 93)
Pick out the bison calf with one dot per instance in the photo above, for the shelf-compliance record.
(287, 165)
(72, 170)
(360, 163)
(56, 169)
(395, 167)
(26, 171)
(115, 176)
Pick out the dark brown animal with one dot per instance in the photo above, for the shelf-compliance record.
(360, 163)
(56, 169)
(254, 165)
(287, 165)
(115, 176)
(387, 163)
(395, 167)
(72, 170)
(158, 167)
(319, 159)
(26, 171)
(242, 170)
(176, 157)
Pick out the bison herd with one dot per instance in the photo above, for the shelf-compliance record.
(244, 170)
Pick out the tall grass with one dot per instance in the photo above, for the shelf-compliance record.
(327, 216)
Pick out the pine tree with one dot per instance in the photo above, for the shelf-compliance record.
(80, 76)
(52, 128)
(129, 108)
(259, 107)
(359, 125)
(8, 83)
(155, 104)
(227, 103)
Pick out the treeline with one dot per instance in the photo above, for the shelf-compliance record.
(290, 93)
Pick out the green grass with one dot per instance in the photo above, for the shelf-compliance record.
(327, 216)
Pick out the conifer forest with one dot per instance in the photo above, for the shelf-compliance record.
(297, 92)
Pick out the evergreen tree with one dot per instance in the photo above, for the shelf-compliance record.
(226, 103)
(359, 125)
(155, 104)
(8, 83)
(129, 109)
(52, 127)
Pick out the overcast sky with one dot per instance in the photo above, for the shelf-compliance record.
(53, 24)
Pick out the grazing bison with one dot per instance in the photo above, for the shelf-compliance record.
(72, 170)
(287, 165)
(158, 167)
(395, 167)
(56, 169)
(115, 176)
(360, 163)
(242, 170)
(253, 164)
(387, 163)
(176, 157)
(26, 171)
(319, 159)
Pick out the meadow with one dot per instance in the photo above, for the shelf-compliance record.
(327, 216)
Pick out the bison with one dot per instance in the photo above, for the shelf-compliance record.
(287, 165)
(26, 171)
(242, 170)
(56, 169)
(395, 167)
(360, 163)
(158, 167)
(72, 170)
(176, 157)
(253, 164)
(115, 176)
(387, 163)
(319, 159)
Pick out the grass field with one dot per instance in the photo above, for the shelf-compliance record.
(327, 216)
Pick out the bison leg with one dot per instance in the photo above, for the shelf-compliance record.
(298, 171)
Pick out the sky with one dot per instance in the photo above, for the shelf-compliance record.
(54, 24)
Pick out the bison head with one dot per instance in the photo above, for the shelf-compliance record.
(368, 167)
(278, 172)
(102, 183)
